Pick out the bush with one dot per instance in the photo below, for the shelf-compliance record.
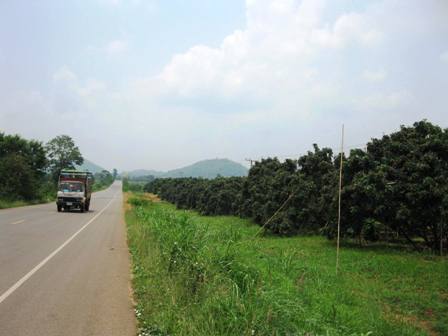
(396, 189)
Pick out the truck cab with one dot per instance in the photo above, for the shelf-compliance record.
(74, 190)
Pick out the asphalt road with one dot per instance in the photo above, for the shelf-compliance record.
(66, 273)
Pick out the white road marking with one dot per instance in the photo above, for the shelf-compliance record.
(18, 222)
(19, 283)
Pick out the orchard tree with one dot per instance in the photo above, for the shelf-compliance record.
(399, 184)
(62, 154)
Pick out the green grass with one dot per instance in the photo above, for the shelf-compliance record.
(46, 197)
(197, 275)
(5, 204)
(98, 186)
(133, 186)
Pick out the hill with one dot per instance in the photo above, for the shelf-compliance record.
(143, 172)
(205, 169)
(90, 166)
(209, 169)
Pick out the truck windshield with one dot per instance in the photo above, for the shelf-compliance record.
(71, 187)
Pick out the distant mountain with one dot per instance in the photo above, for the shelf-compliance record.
(209, 169)
(90, 166)
(142, 172)
(205, 169)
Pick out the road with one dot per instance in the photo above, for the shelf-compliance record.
(66, 273)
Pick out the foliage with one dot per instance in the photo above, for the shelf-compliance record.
(129, 185)
(26, 174)
(22, 167)
(396, 190)
(103, 180)
(196, 275)
(211, 197)
(399, 186)
(62, 154)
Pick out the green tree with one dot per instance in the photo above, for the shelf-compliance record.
(22, 167)
(399, 185)
(396, 190)
(62, 154)
(103, 178)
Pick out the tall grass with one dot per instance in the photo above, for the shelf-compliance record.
(4, 204)
(133, 186)
(196, 275)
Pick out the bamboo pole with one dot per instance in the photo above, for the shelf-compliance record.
(339, 202)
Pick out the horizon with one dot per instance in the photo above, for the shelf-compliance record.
(180, 167)
(186, 81)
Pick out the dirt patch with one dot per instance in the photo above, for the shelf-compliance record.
(126, 205)
(147, 196)
(425, 325)
(151, 197)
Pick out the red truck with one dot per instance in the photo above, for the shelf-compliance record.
(74, 190)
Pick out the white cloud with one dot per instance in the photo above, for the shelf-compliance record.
(444, 56)
(148, 5)
(383, 101)
(288, 78)
(374, 75)
(69, 85)
(91, 87)
(111, 2)
(64, 74)
(272, 56)
(116, 47)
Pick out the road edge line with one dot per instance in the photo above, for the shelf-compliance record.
(36, 268)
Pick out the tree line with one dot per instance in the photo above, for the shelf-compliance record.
(29, 169)
(394, 190)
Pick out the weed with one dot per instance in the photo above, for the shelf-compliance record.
(197, 275)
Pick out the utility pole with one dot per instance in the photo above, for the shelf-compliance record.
(251, 161)
(339, 203)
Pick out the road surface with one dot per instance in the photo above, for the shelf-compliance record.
(66, 273)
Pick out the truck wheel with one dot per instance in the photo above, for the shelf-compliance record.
(59, 208)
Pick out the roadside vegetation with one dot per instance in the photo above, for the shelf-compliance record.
(202, 275)
(394, 191)
(103, 180)
(29, 169)
(133, 185)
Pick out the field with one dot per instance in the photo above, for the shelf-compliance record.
(199, 275)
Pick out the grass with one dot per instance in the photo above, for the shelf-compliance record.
(98, 186)
(5, 204)
(197, 275)
(133, 186)
(47, 197)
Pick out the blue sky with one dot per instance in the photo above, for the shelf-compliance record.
(160, 84)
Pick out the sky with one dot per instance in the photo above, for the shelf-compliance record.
(161, 84)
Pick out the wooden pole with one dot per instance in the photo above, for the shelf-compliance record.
(339, 203)
(251, 161)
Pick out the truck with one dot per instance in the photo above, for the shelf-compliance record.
(74, 190)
